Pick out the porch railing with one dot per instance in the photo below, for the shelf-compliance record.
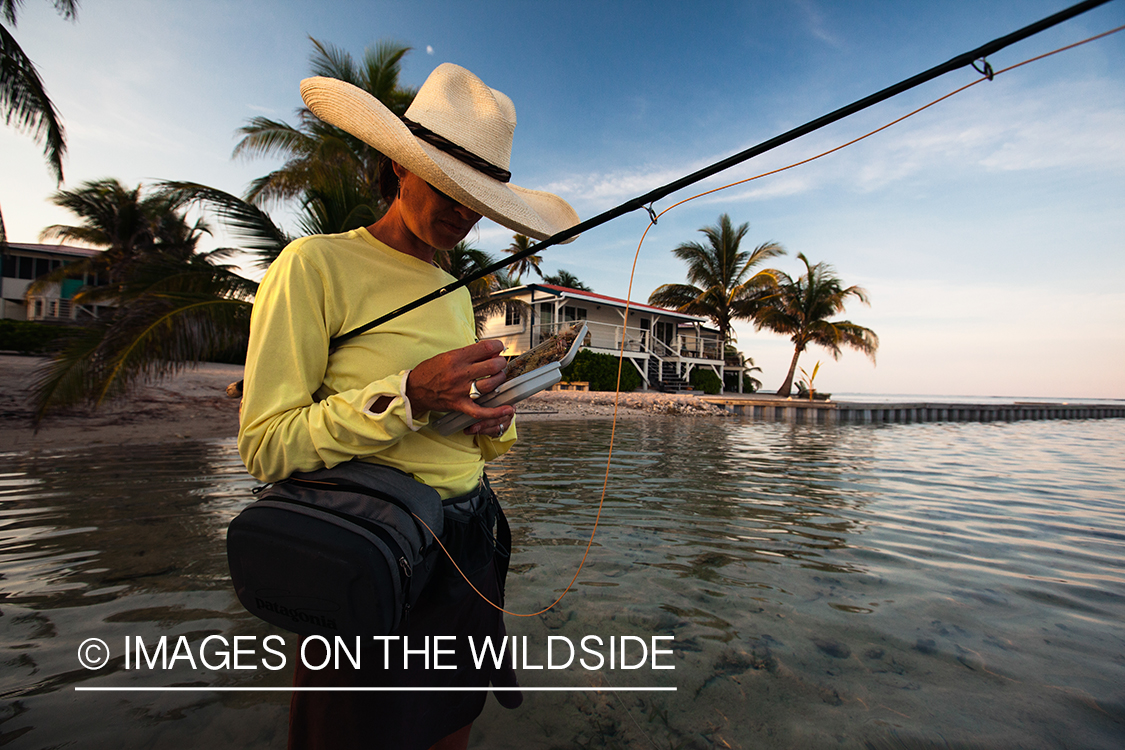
(600, 335)
(57, 308)
(698, 347)
(608, 337)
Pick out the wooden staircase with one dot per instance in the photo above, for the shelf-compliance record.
(670, 380)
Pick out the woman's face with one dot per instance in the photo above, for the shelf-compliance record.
(432, 217)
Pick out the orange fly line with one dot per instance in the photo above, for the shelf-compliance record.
(633, 270)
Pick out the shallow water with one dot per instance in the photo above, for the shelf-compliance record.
(913, 585)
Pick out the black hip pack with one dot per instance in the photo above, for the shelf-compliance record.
(338, 551)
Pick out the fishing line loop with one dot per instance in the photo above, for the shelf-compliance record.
(986, 70)
(653, 216)
(960, 61)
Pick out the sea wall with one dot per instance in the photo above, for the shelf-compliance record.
(803, 410)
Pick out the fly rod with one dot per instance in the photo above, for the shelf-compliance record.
(645, 201)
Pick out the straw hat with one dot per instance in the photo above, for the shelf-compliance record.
(457, 136)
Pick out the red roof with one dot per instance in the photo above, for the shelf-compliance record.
(614, 300)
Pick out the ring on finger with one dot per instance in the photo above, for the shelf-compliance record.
(474, 394)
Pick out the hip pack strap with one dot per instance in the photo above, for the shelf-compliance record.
(503, 546)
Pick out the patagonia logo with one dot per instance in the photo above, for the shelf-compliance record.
(295, 614)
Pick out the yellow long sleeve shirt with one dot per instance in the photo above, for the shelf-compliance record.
(305, 408)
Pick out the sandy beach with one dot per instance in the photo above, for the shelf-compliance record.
(193, 405)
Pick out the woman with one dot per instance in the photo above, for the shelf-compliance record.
(308, 406)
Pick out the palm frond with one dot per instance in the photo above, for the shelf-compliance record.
(69, 377)
(720, 283)
(68, 9)
(24, 99)
(331, 62)
(262, 136)
(250, 224)
(171, 321)
(81, 234)
(382, 67)
(173, 334)
(338, 202)
(278, 187)
(565, 278)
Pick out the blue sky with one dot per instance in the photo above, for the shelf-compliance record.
(989, 230)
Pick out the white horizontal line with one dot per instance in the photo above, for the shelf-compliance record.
(370, 689)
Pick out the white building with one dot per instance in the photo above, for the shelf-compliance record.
(664, 345)
(22, 264)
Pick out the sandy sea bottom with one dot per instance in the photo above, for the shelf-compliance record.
(923, 585)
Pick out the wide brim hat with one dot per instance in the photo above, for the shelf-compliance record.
(456, 135)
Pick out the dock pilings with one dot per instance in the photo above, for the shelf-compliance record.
(854, 412)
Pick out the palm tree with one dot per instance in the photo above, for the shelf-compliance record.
(720, 284)
(131, 227)
(566, 279)
(172, 307)
(800, 308)
(520, 243)
(465, 259)
(321, 159)
(23, 97)
(170, 313)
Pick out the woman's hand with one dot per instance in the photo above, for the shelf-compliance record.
(443, 383)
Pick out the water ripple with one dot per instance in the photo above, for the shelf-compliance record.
(852, 578)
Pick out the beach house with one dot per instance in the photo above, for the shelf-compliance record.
(663, 345)
(23, 263)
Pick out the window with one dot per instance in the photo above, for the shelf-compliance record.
(27, 267)
(573, 314)
(512, 315)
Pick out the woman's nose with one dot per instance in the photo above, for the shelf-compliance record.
(466, 213)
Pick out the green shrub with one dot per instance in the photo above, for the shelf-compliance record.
(705, 380)
(600, 371)
(29, 337)
(749, 384)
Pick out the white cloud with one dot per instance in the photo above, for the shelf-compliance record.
(770, 187)
(602, 188)
(816, 25)
(1064, 126)
(995, 130)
